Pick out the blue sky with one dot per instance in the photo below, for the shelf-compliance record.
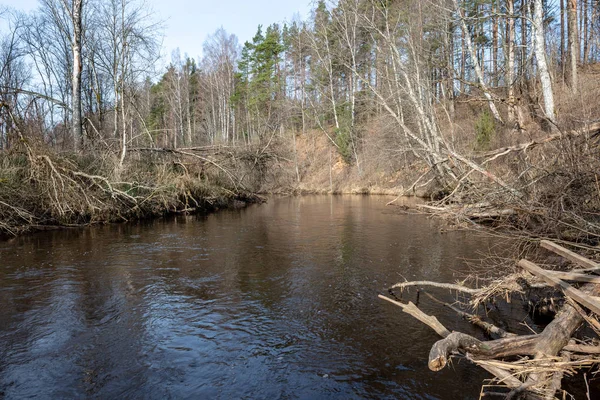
(188, 22)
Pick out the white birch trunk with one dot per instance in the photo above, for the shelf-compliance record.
(540, 56)
(573, 42)
(477, 67)
(76, 78)
(510, 68)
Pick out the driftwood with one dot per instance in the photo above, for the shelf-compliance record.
(586, 263)
(590, 302)
(574, 276)
(428, 320)
(441, 330)
(549, 355)
(471, 211)
(449, 286)
(491, 329)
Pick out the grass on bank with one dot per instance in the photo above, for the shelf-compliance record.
(40, 188)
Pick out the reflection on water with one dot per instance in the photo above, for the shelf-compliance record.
(273, 301)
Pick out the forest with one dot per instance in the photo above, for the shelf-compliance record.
(488, 109)
(473, 102)
(465, 101)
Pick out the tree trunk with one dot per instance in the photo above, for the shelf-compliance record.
(463, 61)
(573, 44)
(510, 68)
(450, 69)
(524, 17)
(494, 43)
(586, 30)
(122, 81)
(76, 16)
(478, 71)
(562, 39)
(540, 55)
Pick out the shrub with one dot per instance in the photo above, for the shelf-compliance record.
(344, 144)
(484, 130)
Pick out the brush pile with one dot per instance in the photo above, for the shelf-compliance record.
(528, 366)
(42, 189)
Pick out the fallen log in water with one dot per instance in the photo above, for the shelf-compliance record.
(530, 365)
(471, 211)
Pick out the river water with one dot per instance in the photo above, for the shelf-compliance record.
(273, 301)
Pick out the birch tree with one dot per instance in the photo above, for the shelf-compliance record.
(540, 56)
(220, 55)
(510, 65)
(76, 12)
(476, 65)
(573, 43)
(65, 23)
(126, 49)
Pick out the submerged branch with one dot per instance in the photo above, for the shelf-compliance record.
(450, 286)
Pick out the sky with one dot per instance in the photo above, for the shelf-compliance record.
(188, 22)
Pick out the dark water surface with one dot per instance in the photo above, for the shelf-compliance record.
(273, 301)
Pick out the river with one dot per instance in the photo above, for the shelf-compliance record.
(274, 301)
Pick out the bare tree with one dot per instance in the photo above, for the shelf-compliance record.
(12, 78)
(476, 65)
(221, 51)
(125, 48)
(346, 21)
(540, 56)
(322, 50)
(510, 67)
(76, 12)
(573, 43)
(55, 41)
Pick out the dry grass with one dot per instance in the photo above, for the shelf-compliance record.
(40, 188)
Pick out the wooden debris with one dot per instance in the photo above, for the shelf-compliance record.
(573, 276)
(543, 358)
(483, 211)
(591, 130)
(576, 294)
(588, 264)
(449, 286)
(491, 329)
(428, 320)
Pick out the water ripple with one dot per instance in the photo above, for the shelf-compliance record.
(275, 301)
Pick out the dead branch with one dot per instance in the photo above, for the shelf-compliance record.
(593, 128)
(449, 286)
(231, 176)
(109, 187)
(586, 263)
(411, 186)
(490, 329)
(547, 355)
(433, 323)
(582, 298)
(20, 212)
(414, 311)
(486, 173)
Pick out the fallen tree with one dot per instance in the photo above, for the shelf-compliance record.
(42, 189)
(531, 365)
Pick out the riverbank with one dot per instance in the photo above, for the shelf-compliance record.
(42, 190)
(534, 183)
(311, 164)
